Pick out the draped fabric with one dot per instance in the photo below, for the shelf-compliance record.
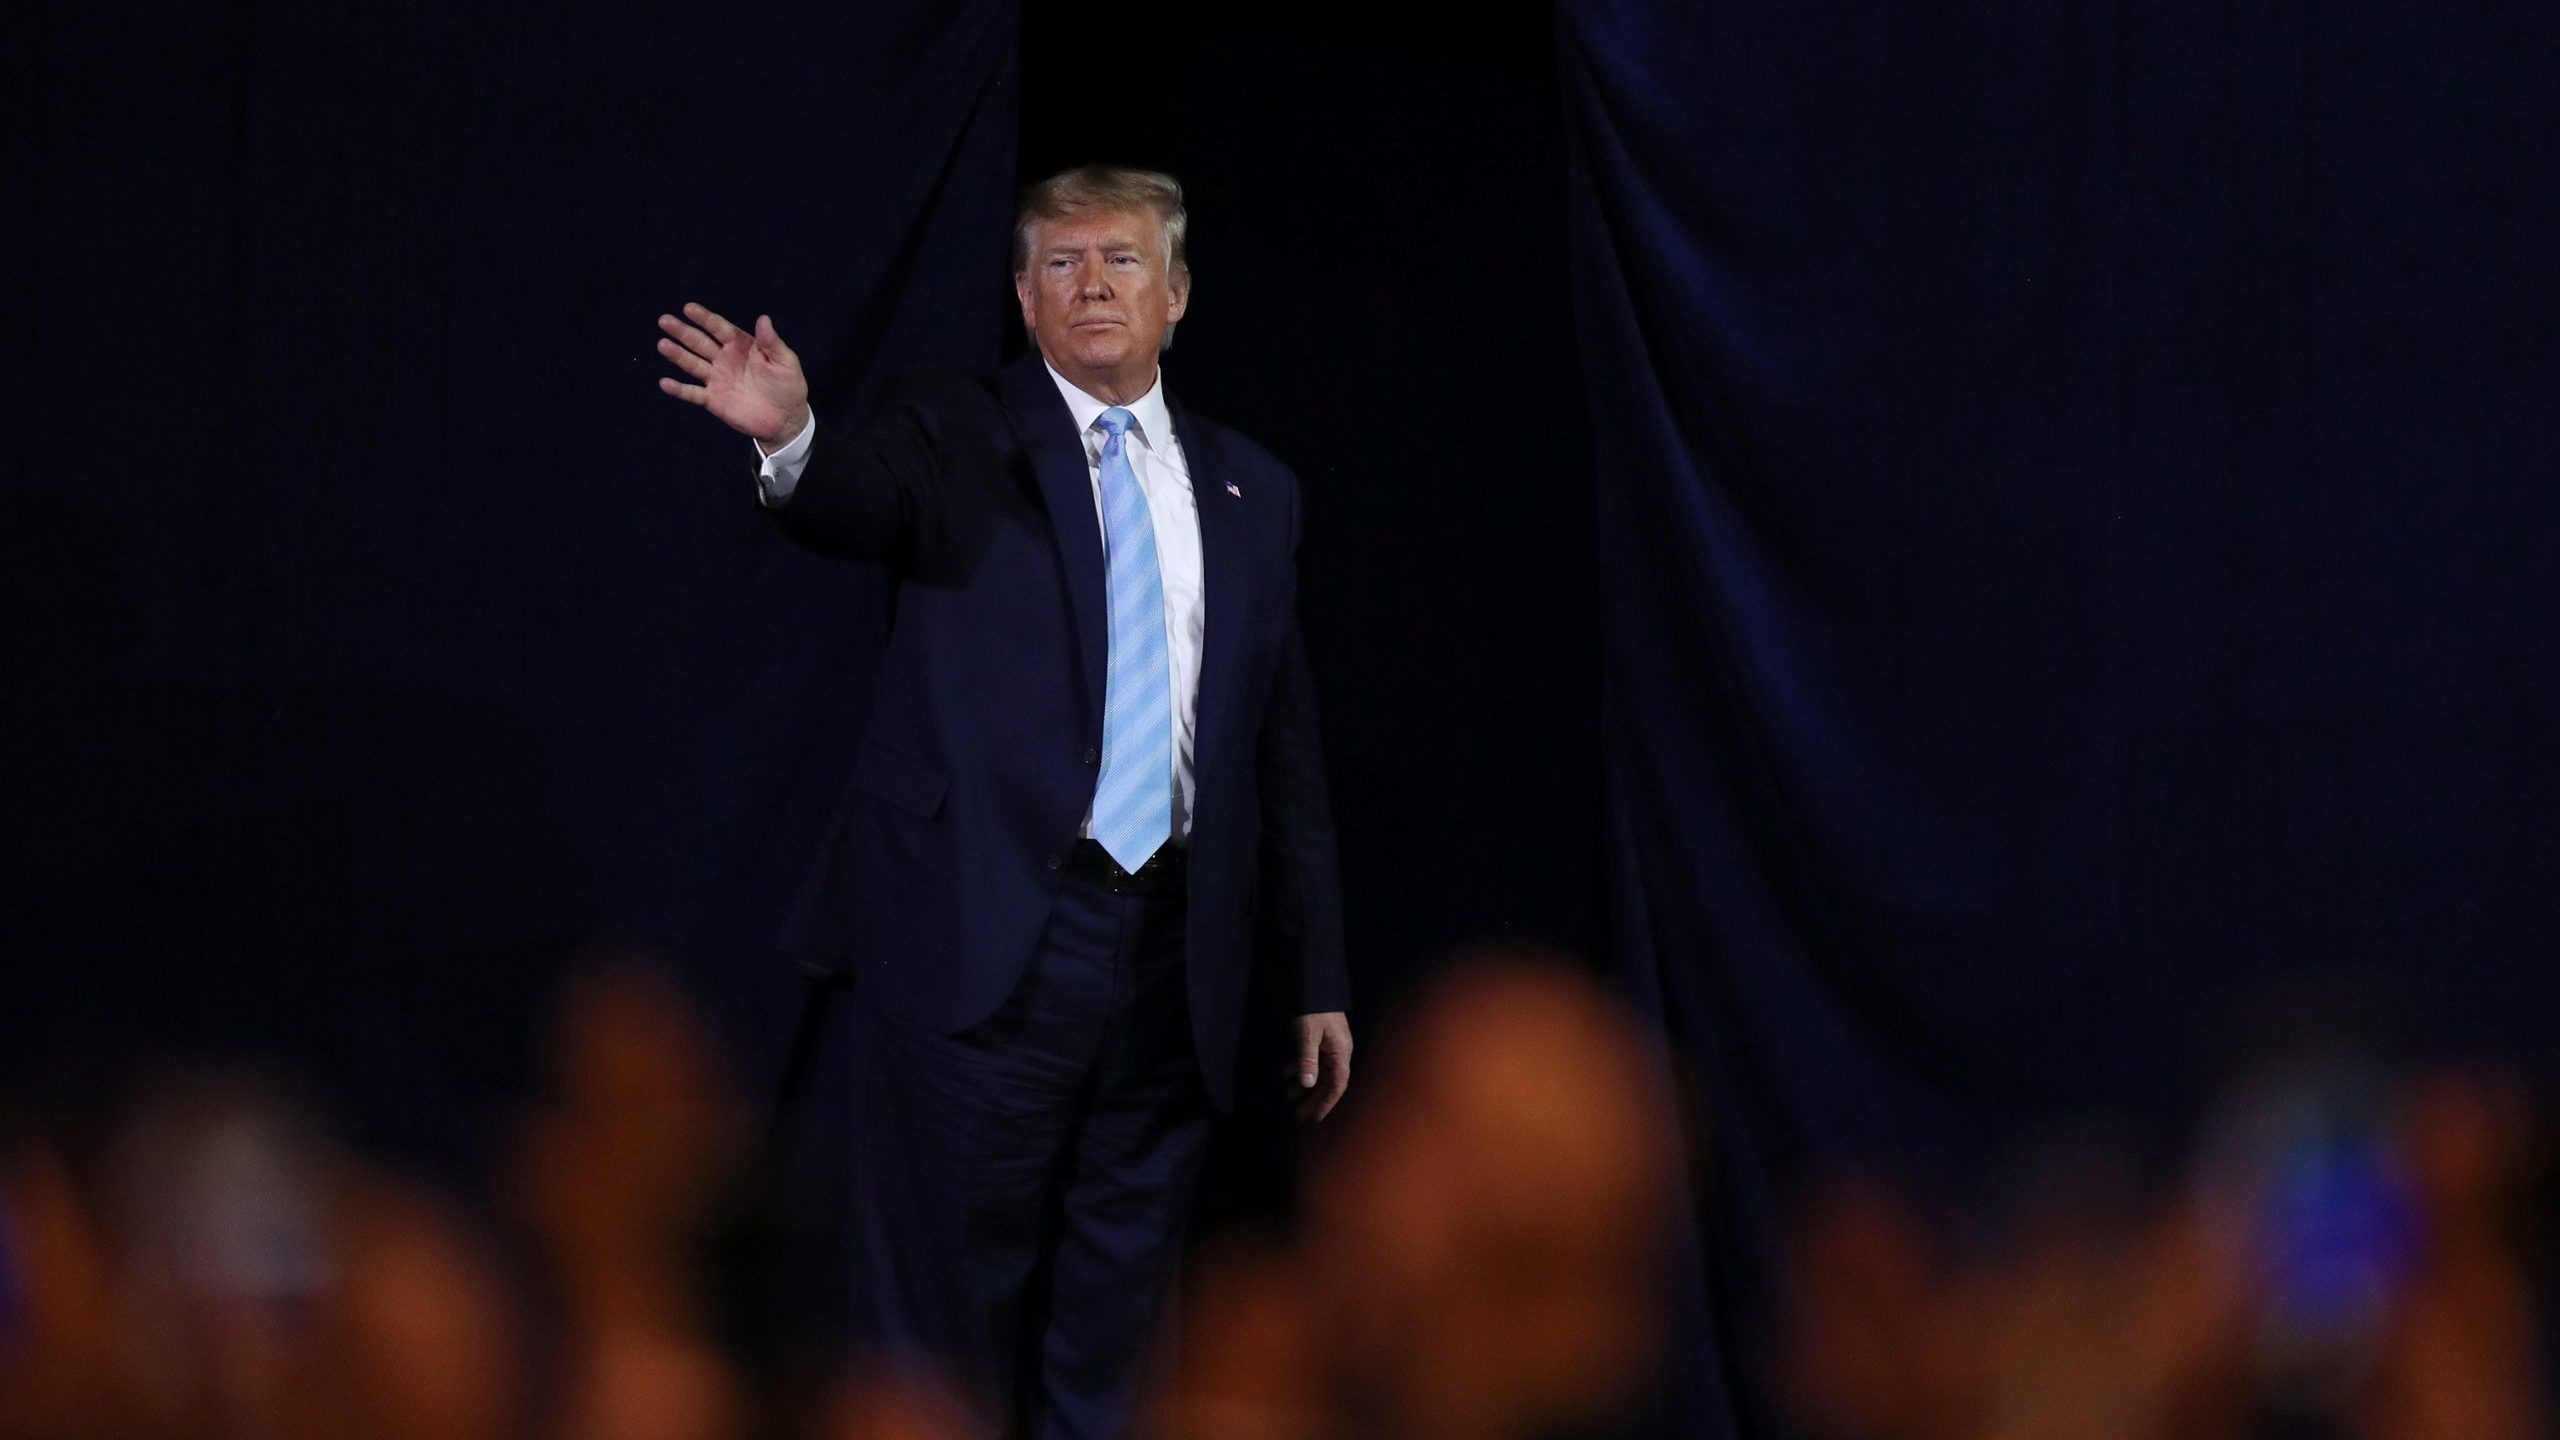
(382, 635)
(2077, 510)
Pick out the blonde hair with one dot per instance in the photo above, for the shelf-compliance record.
(1104, 187)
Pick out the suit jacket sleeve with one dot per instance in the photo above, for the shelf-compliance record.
(1302, 885)
(864, 492)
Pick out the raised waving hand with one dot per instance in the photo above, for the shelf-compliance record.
(751, 380)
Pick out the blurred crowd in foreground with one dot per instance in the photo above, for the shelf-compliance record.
(2345, 1252)
(1476, 1257)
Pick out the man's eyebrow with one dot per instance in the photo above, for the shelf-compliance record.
(1111, 243)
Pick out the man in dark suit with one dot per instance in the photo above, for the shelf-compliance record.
(1089, 801)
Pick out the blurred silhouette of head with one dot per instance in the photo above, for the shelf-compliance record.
(1490, 1225)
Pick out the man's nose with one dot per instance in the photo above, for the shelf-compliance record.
(1091, 284)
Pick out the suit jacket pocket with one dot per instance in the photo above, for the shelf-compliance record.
(915, 786)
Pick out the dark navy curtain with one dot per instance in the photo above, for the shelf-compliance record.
(380, 636)
(2078, 513)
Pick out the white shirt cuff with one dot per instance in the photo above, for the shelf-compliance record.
(778, 474)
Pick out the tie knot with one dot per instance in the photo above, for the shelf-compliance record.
(1116, 422)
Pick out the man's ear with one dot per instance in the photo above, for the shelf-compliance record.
(1022, 293)
(1178, 291)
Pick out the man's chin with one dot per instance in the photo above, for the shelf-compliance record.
(1101, 352)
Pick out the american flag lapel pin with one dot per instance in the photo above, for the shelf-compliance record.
(1232, 490)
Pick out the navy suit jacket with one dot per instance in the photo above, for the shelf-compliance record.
(978, 763)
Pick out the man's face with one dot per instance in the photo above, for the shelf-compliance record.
(1098, 296)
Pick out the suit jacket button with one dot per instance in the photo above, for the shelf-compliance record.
(1054, 862)
(1092, 755)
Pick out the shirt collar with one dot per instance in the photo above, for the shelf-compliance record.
(1155, 422)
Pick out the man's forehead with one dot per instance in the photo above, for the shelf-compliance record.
(1096, 227)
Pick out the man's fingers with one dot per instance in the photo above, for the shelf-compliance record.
(1323, 1067)
(1340, 1081)
(690, 338)
(709, 319)
(689, 394)
(1321, 1104)
(685, 360)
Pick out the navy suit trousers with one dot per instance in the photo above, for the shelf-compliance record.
(1021, 1188)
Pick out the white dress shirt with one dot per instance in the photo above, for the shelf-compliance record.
(1155, 456)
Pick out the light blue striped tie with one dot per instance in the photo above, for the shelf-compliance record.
(1133, 798)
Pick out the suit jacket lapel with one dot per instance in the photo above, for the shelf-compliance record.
(1048, 431)
(1224, 582)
